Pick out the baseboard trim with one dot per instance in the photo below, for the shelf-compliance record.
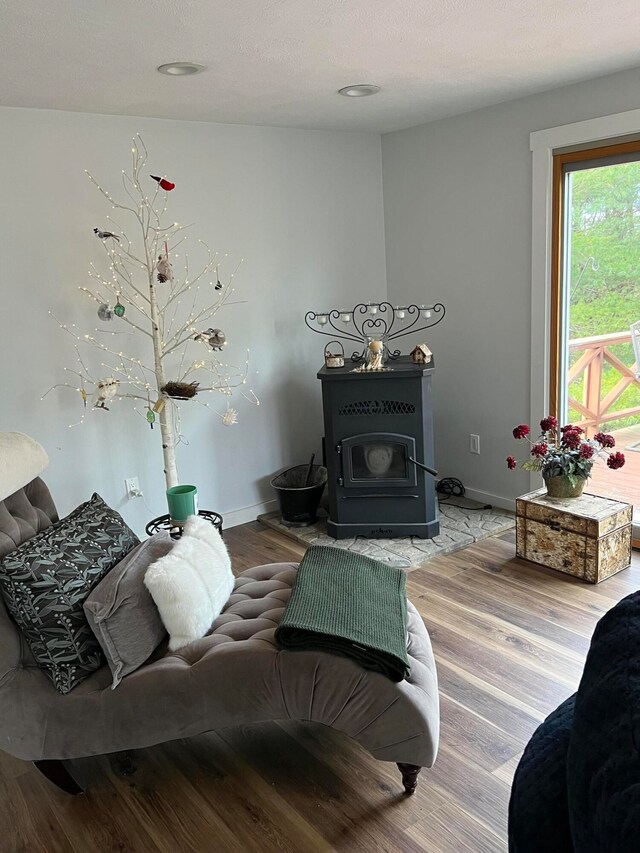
(488, 498)
(234, 517)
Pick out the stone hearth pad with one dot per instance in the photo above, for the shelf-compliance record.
(459, 526)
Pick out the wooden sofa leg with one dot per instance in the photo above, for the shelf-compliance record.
(56, 772)
(409, 777)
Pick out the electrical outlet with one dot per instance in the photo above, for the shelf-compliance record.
(132, 487)
(474, 444)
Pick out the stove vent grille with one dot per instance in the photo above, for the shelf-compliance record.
(376, 407)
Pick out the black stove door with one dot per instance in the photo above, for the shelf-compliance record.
(378, 459)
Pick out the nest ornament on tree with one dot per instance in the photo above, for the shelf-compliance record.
(180, 390)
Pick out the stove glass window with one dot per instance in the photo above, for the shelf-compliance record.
(379, 460)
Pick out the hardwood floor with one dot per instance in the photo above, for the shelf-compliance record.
(510, 641)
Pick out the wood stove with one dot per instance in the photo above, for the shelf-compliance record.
(378, 439)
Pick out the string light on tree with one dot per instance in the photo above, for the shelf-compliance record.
(151, 293)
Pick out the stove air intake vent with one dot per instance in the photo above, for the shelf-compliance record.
(364, 408)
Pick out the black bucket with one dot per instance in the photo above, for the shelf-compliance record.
(299, 502)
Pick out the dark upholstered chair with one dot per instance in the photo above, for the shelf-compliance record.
(234, 675)
(577, 786)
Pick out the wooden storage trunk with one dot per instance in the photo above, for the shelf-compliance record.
(588, 537)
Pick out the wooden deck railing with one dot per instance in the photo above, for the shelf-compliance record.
(595, 409)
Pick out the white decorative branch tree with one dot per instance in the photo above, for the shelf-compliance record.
(170, 309)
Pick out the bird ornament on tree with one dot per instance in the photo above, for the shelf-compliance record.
(166, 185)
(104, 235)
(216, 338)
(105, 390)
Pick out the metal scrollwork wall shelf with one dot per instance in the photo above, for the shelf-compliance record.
(374, 321)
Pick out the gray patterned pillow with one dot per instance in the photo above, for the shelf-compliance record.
(45, 582)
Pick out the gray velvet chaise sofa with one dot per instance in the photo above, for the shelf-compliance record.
(234, 675)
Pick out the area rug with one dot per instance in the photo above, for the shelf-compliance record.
(460, 526)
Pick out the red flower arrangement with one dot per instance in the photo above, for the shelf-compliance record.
(605, 440)
(540, 450)
(615, 460)
(521, 431)
(565, 451)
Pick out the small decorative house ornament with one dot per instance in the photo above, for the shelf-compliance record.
(421, 354)
(334, 359)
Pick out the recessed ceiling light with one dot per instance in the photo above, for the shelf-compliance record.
(181, 69)
(359, 91)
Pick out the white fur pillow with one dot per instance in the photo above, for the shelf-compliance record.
(192, 583)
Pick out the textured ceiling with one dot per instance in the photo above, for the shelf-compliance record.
(280, 62)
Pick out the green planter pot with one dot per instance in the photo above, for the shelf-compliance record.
(182, 502)
(560, 487)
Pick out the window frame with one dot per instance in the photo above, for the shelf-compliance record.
(558, 240)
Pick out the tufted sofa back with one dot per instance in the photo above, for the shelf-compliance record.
(25, 513)
(22, 515)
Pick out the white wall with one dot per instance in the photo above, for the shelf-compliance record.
(457, 202)
(304, 209)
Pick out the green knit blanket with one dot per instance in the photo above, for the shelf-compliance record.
(348, 604)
